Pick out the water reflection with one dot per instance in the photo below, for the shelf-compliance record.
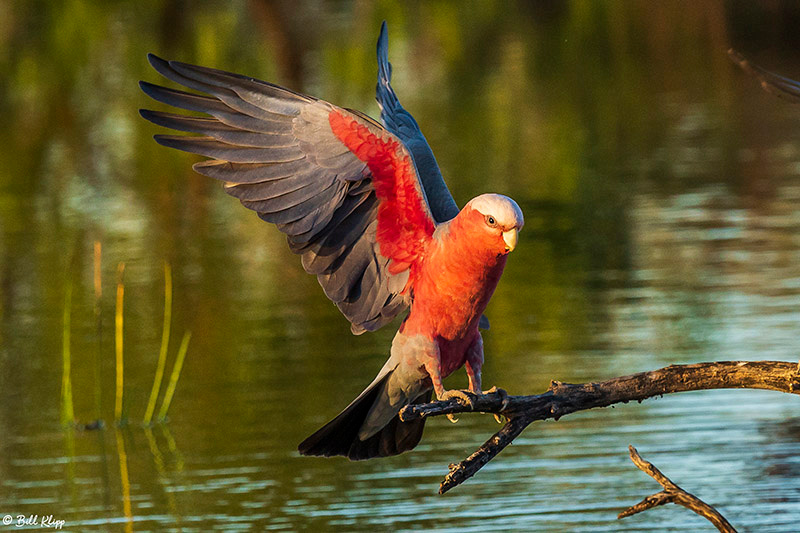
(661, 190)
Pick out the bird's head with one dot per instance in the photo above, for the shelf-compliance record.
(496, 220)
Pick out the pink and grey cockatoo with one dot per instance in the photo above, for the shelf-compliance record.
(366, 207)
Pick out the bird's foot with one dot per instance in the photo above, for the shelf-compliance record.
(463, 398)
(504, 399)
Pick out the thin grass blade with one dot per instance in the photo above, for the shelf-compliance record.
(176, 374)
(162, 355)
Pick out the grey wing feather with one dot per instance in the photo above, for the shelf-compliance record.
(249, 173)
(215, 129)
(276, 153)
(214, 107)
(210, 147)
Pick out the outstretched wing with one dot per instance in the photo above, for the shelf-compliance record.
(343, 189)
(400, 122)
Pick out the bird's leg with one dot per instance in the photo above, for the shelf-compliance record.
(473, 364)
(434, 368)
(474, 376)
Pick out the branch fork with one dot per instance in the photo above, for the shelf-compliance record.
(672, 493)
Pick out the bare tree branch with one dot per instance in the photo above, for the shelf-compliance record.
(564, 398)
(672, 493)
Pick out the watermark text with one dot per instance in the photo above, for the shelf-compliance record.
(33, 520)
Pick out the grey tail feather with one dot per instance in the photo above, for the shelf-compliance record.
(340, 435)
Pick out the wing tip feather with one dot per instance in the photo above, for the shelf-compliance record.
(384, 67)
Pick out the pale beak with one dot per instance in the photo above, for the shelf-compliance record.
(510, 237)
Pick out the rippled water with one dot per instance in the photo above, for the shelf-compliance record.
(661, 189)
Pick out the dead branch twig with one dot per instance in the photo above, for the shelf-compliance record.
(672, 493)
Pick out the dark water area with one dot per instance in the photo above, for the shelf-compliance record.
(661, 190)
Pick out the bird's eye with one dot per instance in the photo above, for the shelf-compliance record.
(490, 220)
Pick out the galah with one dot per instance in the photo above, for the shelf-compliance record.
(365, 206)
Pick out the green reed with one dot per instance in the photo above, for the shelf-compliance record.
(176, 374)
(162, 355)
(118, 323)
(67, 409)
